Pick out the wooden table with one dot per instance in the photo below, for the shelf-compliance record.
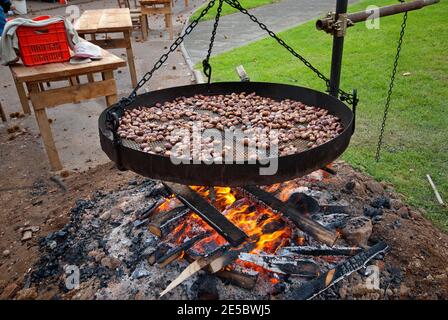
(75, 92)
(149, 7)
(109, 21)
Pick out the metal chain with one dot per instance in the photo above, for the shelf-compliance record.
(206, 64)
(391, 87)
(237, 5)
(345, 96)
(125, 101)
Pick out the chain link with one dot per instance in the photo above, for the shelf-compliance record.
(391, 87)
(206, 63)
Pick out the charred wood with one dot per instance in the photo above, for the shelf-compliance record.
(147, 212)
(208, 213)
(163, 223)
(239, 279)
(320, 251)
(316, 286)
(157, 254)
(306, 224)
(174, 253)
(283, 264)
(331, 221)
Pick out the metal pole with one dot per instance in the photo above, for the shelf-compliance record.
(338, 48)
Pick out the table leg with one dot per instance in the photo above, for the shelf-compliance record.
(112, 99)
(144, 24)
(45, 132)
(74, 81)
(130, 56)
(169, 24)
(22, 96)
(90, 77)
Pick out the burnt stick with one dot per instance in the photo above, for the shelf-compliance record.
(314, 287)
(208, 213)
(176, 252)
(320, 251)
(162, 223)
(239, 279)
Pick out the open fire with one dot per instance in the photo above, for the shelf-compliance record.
(257, 222)
(293, 244)
(279, 222)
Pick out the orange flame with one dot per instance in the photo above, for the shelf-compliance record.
(268, 227)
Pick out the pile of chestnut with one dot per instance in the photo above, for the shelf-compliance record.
(168, 128)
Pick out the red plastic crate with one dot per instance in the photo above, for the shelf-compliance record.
(41, 45)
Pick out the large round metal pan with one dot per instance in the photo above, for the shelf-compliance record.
(289, 167)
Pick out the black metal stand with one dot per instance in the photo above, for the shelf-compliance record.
(338, 49)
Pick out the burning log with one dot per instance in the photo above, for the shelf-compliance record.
(283, 264)
(242, 280)
(208, 213)
(320, 251)
(147, 212)
(164, 222)
(174, 253)
(306, 224)
(314, 287)
(160, 251)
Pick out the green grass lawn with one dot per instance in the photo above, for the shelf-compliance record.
(417, 131)
(226, 9)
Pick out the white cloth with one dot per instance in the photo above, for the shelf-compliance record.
(9, 45)
(85, 49)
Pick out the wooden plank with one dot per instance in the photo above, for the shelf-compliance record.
(111, 43)
(65, 70)
(112, 97)
(304, 223)
(104, 20)
(73, 94)
(208, 213)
